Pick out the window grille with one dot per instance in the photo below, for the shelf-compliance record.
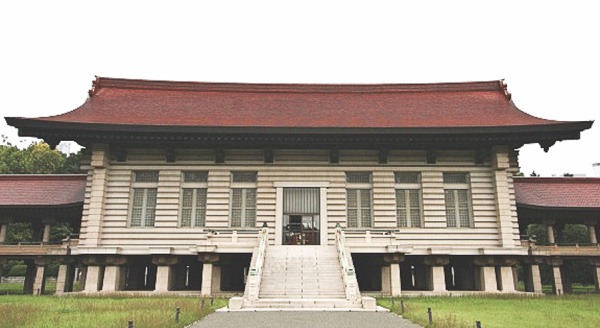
(358, 177)
(408, 208)
(143, 209)
(193, 207)
(146, 176)
(458, 200)
(455, 178)
(359, 208)
(243, 177)
(407, 177)
(195, 176)
(243, 207)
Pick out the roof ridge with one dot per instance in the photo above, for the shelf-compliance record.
(558, 179)
(120, 83)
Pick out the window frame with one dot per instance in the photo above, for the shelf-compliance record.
(195, 187)
(407, 187)
(456, 188)
(245, 188)
(145, 187)
(360, 189)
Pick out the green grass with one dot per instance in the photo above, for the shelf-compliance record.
(502, 311)
(107, 311)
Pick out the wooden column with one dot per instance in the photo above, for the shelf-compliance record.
(39, 281)
(92, 278)
(592, 231)
(47, 228)
(596, 265)
(3, 229)
(550, 231)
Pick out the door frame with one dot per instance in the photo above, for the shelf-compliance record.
(280, 185)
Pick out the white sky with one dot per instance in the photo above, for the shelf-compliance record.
(548, 52)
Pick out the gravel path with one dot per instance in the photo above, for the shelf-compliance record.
(304, 319)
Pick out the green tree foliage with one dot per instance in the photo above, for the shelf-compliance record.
(37, 158)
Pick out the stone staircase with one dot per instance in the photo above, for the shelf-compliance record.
(302, 272)
(302, 277)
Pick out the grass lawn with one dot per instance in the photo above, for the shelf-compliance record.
(503, 311)
(106, 311)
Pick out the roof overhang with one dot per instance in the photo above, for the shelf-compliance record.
(298, 137)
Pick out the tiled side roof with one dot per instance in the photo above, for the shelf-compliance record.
(580, 193)
(195, 104)
(20, 190)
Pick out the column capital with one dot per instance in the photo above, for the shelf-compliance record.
(436, 260)
(393, 258)
(554, 261)
(115, 260)
(208, 257)
(164, 260)
(484, 261)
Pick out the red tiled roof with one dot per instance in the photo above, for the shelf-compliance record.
(581, 193)
(19, 190)
(195, 104)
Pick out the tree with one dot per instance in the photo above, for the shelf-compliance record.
(37, 158)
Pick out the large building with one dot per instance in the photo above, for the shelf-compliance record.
(302, 194)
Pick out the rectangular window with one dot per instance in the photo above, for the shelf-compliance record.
(458, 200)
(143, 196)
(193, 199)
(408, 199)
(359, 200)
(243, 199)
(243, 207)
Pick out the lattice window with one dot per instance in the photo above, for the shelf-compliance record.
(243, 177)
(243, 207)
(358, 177)
(407, 177)
(408, 208)
(458, 200)
(359, 209)
(195, 176)
(193, 207)
(143, 207)
(145, 176)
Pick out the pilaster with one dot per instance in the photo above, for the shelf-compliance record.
(503, 188)
(92, 224)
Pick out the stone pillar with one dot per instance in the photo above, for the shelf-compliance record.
(596, 265)
(503, 188)
(592, 231)
(558, 287)
(550, 232)
(395, 287)
(39, 283)
(488, 279)
(206, 279)
(533, 282)
(216, 279)
(47, 228)
(437, 276)
(164, 276)
(3, 229)
(386, 289)
(207, 259)
(507, 281)
(61, 279)
(92, 278)
(114, 278)
(91, 228)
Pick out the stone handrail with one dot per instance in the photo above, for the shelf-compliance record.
(255, 273)
(348, 272)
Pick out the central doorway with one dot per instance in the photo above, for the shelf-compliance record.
(301, 219)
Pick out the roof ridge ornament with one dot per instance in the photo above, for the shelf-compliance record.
(504, 88)
(95, 83)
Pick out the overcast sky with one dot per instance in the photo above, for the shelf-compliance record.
(548, 52)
